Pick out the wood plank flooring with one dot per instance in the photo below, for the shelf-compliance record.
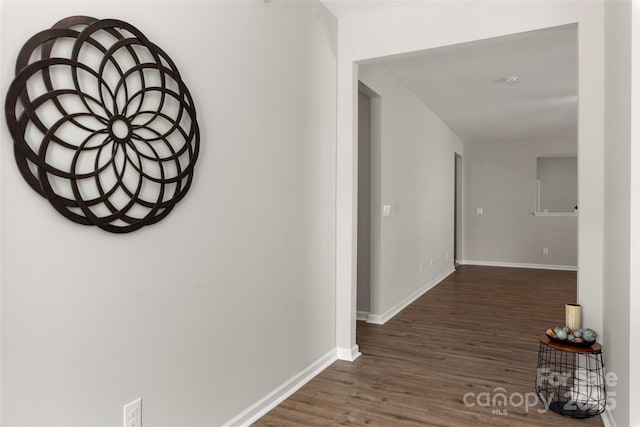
(476, 331)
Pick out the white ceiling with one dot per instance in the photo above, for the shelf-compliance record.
(464, 85)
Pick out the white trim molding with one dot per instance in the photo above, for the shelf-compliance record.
(519, 265)
(286, 389)
(381, 319)
(607, 419)
(555, 213)
(348, 354)
(362, 315)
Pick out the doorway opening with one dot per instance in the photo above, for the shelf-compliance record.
(369, 191)
(528, 115)
(457, 209)
(364, 204)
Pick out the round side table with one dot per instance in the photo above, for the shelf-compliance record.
(571, 380)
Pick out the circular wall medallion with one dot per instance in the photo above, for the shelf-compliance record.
(102, 124)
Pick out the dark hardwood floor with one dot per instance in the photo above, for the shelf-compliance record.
(476, 332)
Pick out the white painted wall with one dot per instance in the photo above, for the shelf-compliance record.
(231, 295)
(424, 25)
(500, 178)
(622, 210)
(415, 177)
(634, 230)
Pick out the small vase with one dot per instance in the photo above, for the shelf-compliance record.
(573, 316)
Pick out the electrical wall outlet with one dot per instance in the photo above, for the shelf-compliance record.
(545, 251)
(133, 413)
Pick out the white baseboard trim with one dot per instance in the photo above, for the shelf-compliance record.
(607, 419)
(519, 265)
(375, 319)
(348, 354)
(286, 389)
(362, 315)
(381, 319)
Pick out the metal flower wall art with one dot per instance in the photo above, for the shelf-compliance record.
(102, 124)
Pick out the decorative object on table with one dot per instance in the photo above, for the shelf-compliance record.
(576, 337)
(571, 380)
(103, 126)
(573, 316)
